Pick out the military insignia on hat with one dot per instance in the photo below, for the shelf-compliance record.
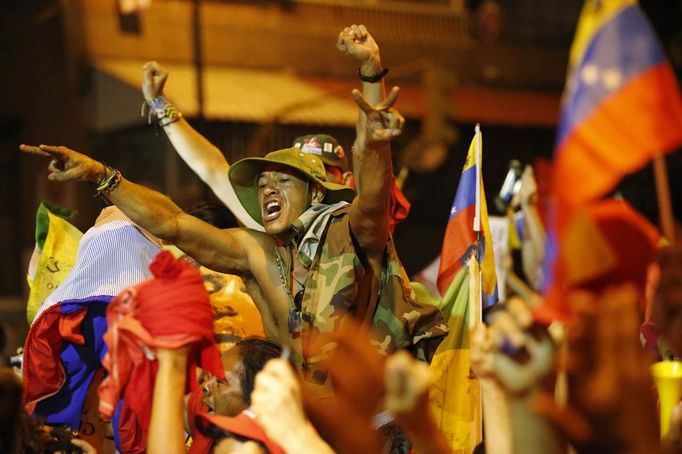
(311, 145)
(324, 146)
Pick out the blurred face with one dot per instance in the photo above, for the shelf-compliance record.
(226, 397)
(283, 195)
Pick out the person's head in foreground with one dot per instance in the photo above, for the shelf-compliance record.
(277, 189)
(241, 363)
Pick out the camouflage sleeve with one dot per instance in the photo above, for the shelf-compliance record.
(400, 320)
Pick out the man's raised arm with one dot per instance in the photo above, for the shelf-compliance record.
(373, 169)
(220, 250)
(357, 42)
(204, 158)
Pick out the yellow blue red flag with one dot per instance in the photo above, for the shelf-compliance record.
(621, 105)
(460, 239)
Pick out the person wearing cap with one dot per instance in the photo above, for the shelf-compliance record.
(209, 163)
(332, 155)
(326, 253)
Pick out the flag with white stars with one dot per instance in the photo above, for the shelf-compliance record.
(465, 235)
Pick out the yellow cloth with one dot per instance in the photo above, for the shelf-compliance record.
(53, 259)
(455, 397)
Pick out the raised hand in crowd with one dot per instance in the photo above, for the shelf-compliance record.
(513, 351)
(611, 406)
(204, 158)
(383, 122)
(154, 77)
(344, 419)
(518, 356)
(166, 427)
(370, 390)
(357, 42)
(276, 402)
(407, 398)
(534, 238)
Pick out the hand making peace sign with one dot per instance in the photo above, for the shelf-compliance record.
(383, 122)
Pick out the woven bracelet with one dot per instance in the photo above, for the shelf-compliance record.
(107, 184)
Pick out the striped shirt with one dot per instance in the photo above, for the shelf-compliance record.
(112, 255)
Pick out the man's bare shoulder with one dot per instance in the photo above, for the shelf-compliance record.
(250, 237)
(257, 246)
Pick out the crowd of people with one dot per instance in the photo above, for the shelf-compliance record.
(131, 352)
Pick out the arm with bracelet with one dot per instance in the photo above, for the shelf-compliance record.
(359, 44)
(220, 250)
(204, 158)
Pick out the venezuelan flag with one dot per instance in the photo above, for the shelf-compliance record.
(460, 237)
(64, 345)
(621, 108)
(621, 105)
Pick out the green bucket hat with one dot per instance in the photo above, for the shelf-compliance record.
(324, 146)
(244, 174)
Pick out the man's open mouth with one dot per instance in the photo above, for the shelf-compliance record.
(271, 210)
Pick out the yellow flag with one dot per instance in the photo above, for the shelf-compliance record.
(455, 397)
(54, 255)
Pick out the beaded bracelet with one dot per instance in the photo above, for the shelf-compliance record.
(159, 107)
(107, 184)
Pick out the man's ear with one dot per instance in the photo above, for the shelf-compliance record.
(317, 193)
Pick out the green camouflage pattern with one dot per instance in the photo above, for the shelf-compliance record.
(341, 283)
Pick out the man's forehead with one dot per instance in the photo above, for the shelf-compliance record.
(274, 169)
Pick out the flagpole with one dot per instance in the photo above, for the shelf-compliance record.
(477, 215)
(477, 220)
(477, 229)
(663, 195)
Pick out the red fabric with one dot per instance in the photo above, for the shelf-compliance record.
(398, 208)
(132, 440)
(70, 327)
(245, 426)
(42, 371)
(195, 406)
(631, 238)
(398, 205)
(458, 238)
(170, 310)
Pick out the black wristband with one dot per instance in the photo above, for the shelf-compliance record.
(374, 78)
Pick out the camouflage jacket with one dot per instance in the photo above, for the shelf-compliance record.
(341, 283)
